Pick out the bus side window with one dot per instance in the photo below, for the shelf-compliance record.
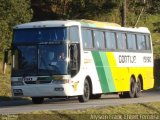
(110, 40)
(131, 41)
(121, 41)
(141, 42)
(87, 38)
(148, 44)
(99, 40)
(74, 34)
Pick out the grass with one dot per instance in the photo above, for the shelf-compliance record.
(131, 111)
(5, 87)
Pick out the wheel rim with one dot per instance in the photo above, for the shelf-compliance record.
(138, 86)
(132, 87)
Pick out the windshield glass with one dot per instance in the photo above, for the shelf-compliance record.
(40, 34)
(52, 59)
(40, 60)
(24, 61)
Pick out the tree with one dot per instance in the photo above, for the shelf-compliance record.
(71, 9)
(12, 12)
(153, 6)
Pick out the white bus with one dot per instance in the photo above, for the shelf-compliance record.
(80, 58)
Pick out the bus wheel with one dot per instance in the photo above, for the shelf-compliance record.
(86, 92)
(132, 88)
(96, 96)
(37, 100)
(138, 88)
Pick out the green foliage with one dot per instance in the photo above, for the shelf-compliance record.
(100, 10)
(153, 6)
(12, 12)
(5, 88)
(71, 9)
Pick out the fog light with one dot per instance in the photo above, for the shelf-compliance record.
(59, 89)
(17, 92)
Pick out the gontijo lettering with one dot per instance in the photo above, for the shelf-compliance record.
(127, 59)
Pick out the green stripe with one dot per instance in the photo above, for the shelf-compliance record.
(84, 24)
(100, 71)
(104, 72)
(92, 25)
(108, 72)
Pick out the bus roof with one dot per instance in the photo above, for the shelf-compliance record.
(111, 26)
(43, 24)
(84, 23)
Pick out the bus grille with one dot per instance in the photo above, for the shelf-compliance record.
(38, 82)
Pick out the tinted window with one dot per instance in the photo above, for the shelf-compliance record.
(74, 34)
(131, 41)
(141, 42)
(40, 34)
(121, 41)
(52, 59)
(148, 44)
(25, 61)
(99, 40)
(87, 38)
(110, 40)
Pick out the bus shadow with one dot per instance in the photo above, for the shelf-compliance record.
(11, 102)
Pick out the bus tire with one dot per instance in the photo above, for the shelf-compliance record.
(132, 91)
(138, 88)
(37, 100)
(86, 92)
(95, 96)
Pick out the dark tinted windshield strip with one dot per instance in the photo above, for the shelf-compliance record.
(40, 34)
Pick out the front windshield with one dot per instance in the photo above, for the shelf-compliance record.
(52, 59)
(40, 35)
(40, 60)
(24, 60)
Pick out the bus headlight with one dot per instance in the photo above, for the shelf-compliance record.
(17, 83)
(60, 81)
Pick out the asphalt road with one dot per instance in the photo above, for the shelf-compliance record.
(23, 106)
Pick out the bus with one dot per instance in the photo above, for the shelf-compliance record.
(98, 58)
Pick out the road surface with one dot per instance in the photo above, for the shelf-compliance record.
(23, 106)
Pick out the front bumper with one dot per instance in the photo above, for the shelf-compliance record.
(45, 90)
